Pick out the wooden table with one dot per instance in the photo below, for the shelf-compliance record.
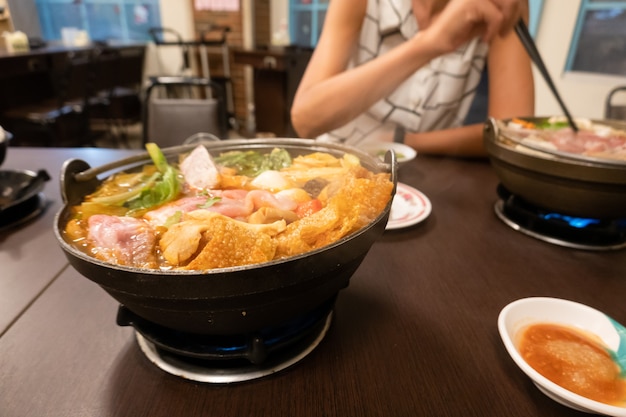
(30, 255)
(413, 335)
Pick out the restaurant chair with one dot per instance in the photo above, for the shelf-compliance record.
(167, 36)
(117, 104)
(616, 109)
(176, 108)
(59, 117)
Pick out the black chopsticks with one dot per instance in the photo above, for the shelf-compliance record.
(527, 40)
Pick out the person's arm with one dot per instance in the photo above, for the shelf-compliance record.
(463, 141)
(329, 95)
(511, 94)
(511, 85)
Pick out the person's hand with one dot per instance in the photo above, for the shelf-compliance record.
(512, 11)
(461, 20)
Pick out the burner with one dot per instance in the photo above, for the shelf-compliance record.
(230, 358)
(559, 229)
(22, 213)
(21, 198)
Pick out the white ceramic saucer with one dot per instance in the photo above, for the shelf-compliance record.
(409, 207)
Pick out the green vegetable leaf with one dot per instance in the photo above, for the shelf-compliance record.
(161, 187)
(552, 125)
(164, 189)
(157, 157)
(252, 163)
(132, 193)
(173, 219)
(209, 202)
(278, 158)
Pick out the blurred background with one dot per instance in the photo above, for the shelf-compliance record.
(269, 42)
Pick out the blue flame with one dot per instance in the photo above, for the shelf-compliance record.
(577, 222)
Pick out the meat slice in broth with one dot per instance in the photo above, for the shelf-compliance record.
(122, 240)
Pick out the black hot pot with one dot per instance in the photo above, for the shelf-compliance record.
(569, 184)
(226, 301)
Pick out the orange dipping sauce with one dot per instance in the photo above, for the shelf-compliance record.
(574, 361)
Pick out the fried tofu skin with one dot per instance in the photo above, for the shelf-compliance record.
(210, 240)
(354, 202)
(205, 240)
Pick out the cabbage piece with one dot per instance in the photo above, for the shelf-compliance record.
(159, 188)
(252, 163)
(164, 189)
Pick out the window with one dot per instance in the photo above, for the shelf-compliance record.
(534, 15)
(104, 20)
(599, 41)
(306, 18)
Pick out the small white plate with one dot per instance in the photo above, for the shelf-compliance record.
(409, 207)
(404, 153)
(524, 312)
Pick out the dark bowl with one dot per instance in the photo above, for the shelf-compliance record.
(5, 138)
(233, 300)
(571, 185)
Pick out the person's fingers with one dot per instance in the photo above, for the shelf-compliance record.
(498, 16)
(462, 20)
(490, 18)
(512, 11)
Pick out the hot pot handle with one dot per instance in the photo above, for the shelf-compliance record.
(73, 190)
(91, 173)
(391, 160)
(490, 130)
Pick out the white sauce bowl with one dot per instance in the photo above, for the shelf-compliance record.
(521, 313)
